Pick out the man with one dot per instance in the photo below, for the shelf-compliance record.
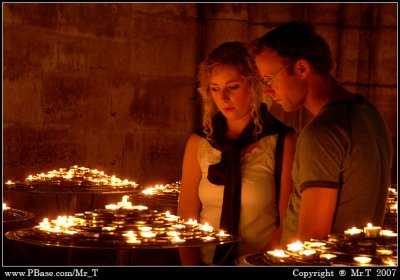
(341, 170)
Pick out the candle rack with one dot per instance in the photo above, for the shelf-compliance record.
(336, 249)
(121, 226)
(73, 179)
(12, 215)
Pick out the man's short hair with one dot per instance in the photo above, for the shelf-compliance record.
(296, 40)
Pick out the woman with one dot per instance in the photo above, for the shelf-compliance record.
(228, 173)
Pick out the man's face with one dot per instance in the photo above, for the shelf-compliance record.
(285, 89)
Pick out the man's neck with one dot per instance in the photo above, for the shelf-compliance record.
(324, 90)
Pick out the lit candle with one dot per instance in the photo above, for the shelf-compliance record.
(191, 223)
(133, 240)
(112, 207)
(129, 234)
(371, 231)
(222, 235)
(45, 225)
(362, 260)
(277, 254)
(389, 261)
(327, 257)
(207, 238)
(353, 232)
(177, 240)
(173, 233)
(145, 228)
(9, 183)
(314, 244)
(148, 234)
(307, 254)
(140, 207)
(393, 208)
(388, 234)
(179, 226)
(5, 207)
(206, 227)
(295, 247)
(384, 252)
(108, 230)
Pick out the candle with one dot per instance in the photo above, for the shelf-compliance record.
(314, 244)
(108, 230)
(371, 231)
(295, 247)
(222, 235)
(133, 240)
(389, 261)
(362, 260)
(278, 254)
(173, 233)
(384, 252)
(177, 240)
(208, 238)
(148, 234)
(353, 232)
(112, 207)
(129, 234)
(5, 207)
(388, 234)
(179, 226)
(139, 207)
(206, 227)
(327, 257)
(9, 183)
(307, 254)
(191, 223)
(145, 228)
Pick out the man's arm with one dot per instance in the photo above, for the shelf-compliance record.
(317, 210)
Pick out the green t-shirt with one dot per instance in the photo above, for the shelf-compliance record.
(346, 146)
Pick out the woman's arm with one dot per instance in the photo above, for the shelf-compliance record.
(286, 186)
(189, 202)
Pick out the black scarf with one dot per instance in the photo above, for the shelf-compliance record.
(228, 173)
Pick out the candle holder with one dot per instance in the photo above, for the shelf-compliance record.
(371, 231)
(341, 249)
(361, 260)
(327, 258)
(308, 255)
(353, 233)
(277, 256)
(122, 227)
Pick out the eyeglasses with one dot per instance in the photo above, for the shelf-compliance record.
(268, 81)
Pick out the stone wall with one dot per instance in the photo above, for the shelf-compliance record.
(113, 86)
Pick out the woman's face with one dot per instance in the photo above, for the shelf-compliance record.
(230, 92)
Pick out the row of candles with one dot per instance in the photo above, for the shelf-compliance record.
(138, 225)
(171, 189)
(369, 231)
(392, 201)
(83, 176)
(345, 248)
(134, 224)
(75, 175)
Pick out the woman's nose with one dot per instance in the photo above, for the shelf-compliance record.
(225, 93)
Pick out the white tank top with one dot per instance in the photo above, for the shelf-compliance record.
(258, 210)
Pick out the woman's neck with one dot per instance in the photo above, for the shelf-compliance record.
(235, 127)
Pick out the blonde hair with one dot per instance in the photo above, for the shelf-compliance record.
(233, 54)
